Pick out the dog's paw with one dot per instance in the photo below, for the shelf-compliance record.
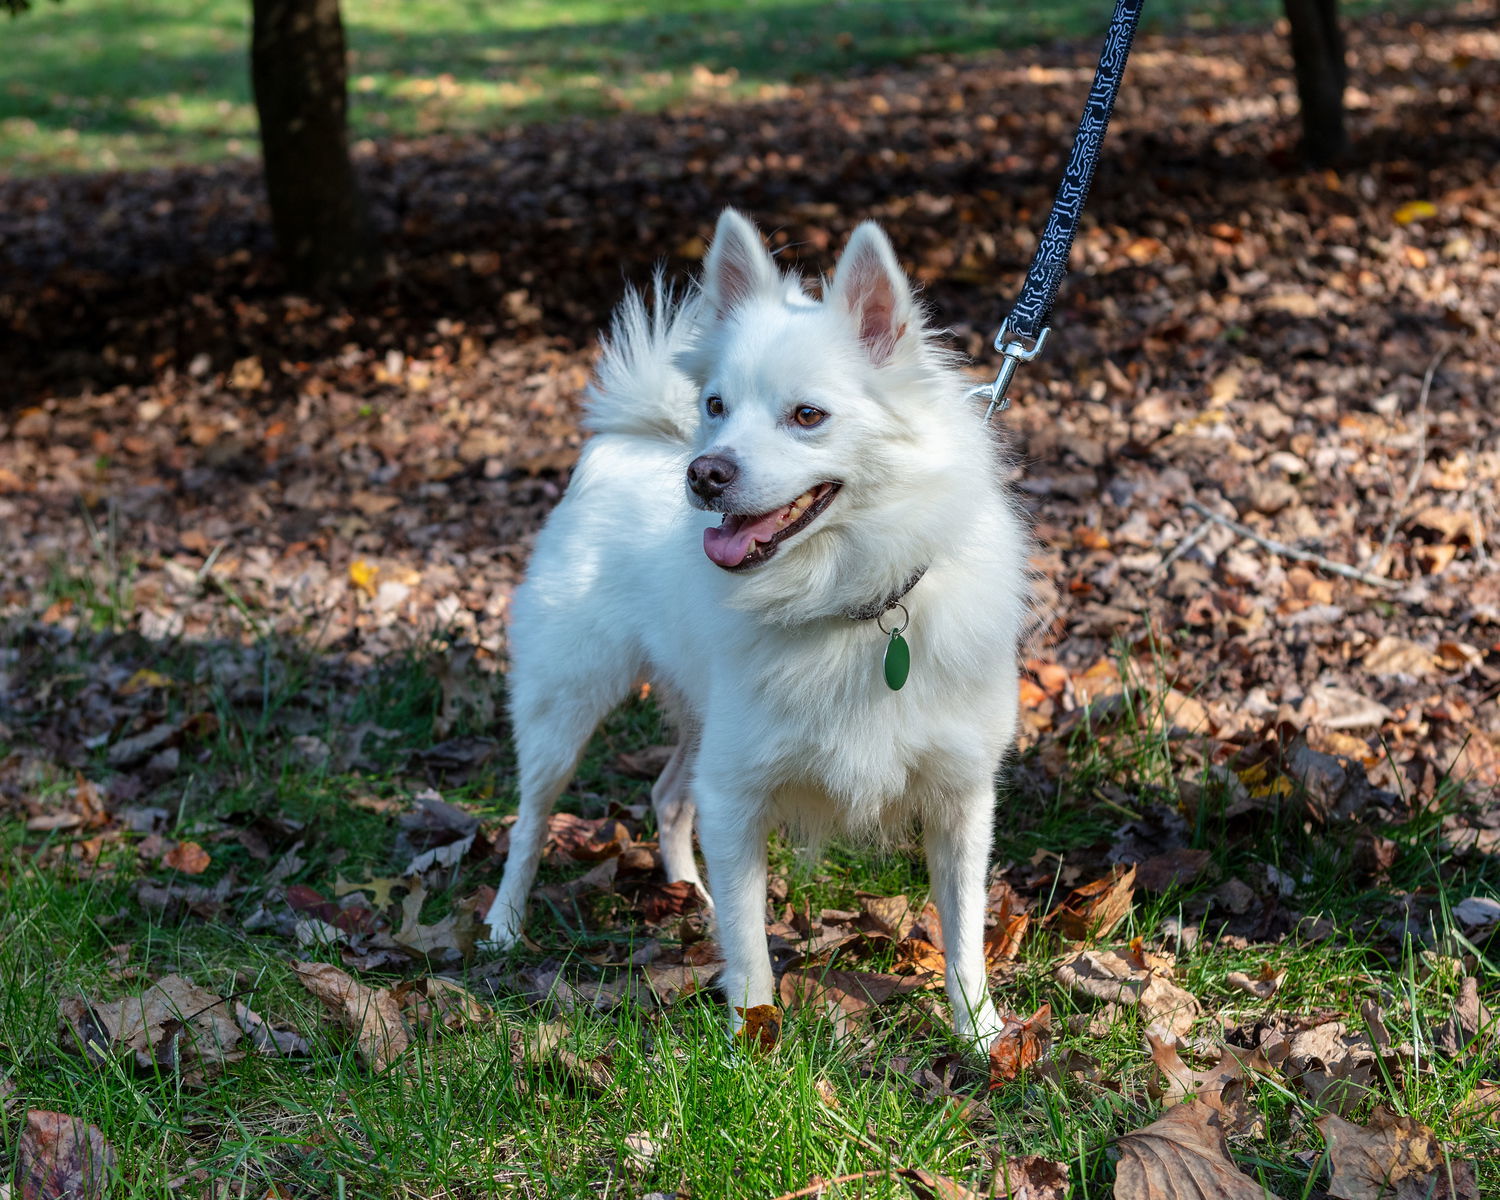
(978, 1034)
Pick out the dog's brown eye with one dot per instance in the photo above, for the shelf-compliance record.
(807, 416)
(715, 406)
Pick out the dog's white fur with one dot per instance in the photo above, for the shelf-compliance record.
(784, 713)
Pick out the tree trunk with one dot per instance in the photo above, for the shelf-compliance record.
(299, 71)
(1318, 60)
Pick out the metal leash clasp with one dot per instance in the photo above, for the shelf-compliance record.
(1015, 353)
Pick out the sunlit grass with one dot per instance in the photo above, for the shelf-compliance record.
(94, 84)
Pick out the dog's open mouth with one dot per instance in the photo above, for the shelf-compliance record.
(745, 540)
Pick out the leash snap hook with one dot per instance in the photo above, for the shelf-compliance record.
(1015, 352)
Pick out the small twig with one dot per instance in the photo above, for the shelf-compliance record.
(1179, 550)
(1399, 508)
(817, 1189)
(1285, 551)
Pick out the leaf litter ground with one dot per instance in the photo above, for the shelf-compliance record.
(261, 550)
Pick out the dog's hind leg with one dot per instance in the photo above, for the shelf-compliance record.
(958, 855)
(673, 801)
(553, 715)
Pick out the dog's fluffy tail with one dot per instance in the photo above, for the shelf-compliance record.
(638, 389)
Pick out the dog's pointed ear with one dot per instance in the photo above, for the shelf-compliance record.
(870, 285)
(739, 265)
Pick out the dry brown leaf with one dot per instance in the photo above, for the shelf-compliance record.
(1019, 1044)
(60, 1157)
(452, 936)
(659, 901)
(1332, 1065)
(1398, 656)
(1470, 1028)
(762, 1026)
(571, 837)
(283, 1042)
(437, 1004)
(1172, 868)
(1182, 1155)
(924, 1185)
(892, 916)
(916, 955)
(1096, 908)
(1002, 941)
(188, 857)
(849, 992)
(1029, 1177)
(1124, 979)
(671, 981)
(1223, 1086)
(1263, 985)
(173, 1024)
(1392, 1158)
(549, 1046)
(370, 1014)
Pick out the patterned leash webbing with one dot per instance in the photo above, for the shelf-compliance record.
(1025, 330)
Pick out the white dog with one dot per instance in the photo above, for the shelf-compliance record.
(775, 487)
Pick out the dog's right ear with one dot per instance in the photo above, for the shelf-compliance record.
(738, 267)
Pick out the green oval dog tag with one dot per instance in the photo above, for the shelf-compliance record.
(897, 662)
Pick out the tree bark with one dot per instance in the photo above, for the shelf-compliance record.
(1322, 73)
(299, 71)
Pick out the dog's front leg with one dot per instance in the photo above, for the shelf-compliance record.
(958, 855)
(732, 830)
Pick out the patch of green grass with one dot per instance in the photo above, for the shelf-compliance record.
(99, 84)
(462, 1117)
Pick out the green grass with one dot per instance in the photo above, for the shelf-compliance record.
(461, 1118)
(104, 84)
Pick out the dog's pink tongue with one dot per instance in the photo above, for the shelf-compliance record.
(736, 536)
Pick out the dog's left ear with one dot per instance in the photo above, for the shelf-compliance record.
(872, 288)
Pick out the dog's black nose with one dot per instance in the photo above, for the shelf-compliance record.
(711, 474)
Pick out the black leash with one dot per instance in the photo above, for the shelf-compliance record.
(1024, 331)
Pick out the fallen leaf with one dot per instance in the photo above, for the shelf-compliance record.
(284, 1042)
(1019, 1044)
(662, 900)
(1414, 210)
(1096, 908)
(1029, 1177)
(1263, 985)
(1477, 911)
(59, 1157)
(1182, 1155)
(548, 1044)
(451, 936)
(845, 993)
(131, 751)
(439, 1005)
(892, 916)
(1120, 979)
(173, 1024)
(362, 576)
(1399, 657)
(370, 1014)
(924, 1185)
(1470, 1028)
(1172, 868)
(761, 1026)
(188, 857)
(1002, 941)
(641, 1151)
(380, 889)
(1392, 1158)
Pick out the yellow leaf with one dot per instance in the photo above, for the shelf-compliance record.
(144, 679)
(362, 575)
(1415, 210)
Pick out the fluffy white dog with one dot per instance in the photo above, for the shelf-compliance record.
(782, 500)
